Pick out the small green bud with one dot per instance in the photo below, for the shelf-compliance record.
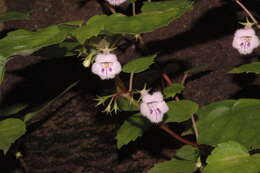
(86, 62)
(115, 108)
(198, 163)
(18, 155)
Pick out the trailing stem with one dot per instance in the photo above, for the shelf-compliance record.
(111, 9)
(163, 126)
(23, 164)
(248, 12)
(195, 127)
(131, 80)
(176, 136)
(120, 85)
(133, 8)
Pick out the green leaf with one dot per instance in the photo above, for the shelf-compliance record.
(247, 68)
(131, 1)
(2, 70)
(232, 157)
(172, 90)
(69, 47)
(131, 129)
(174, 166)
(184, 162)
(196, 69)
(187, 132)
(147, 21)
(94, 26)
(180, 111)
(31, 115)
(13, 15)
(154, 15)
(125, 105)
(139, 65)
(236, 120)
(164, 6)
(12, 109)
(187, 152)
(10, 130)
(74, 23)
(68, 29)
(23, 42)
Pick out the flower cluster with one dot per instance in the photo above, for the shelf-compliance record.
(106, 66)
(245, 40)
(153, 106)
(115, 2)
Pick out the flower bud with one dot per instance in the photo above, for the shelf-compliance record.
(86, 62)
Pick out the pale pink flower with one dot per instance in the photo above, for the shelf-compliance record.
(115, 2)
(245, 40)
(153, 106)
(106, 66)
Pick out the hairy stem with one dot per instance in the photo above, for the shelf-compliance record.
(131, 80)
(162, 126)
(176, 136)
(23, 164)
(195, 127)
(247, 11)
(133, 8)
(184, 78)
(111, 9)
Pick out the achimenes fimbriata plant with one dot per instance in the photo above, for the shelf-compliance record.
(231, 127)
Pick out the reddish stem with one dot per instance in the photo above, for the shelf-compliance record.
(169, 83)
(165, 128)
(176, 136)
(167, 79)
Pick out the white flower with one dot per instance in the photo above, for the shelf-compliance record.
(115, 2)
(245, 40)
(106, 66)
(153, 106)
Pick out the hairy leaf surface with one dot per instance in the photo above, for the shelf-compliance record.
(247, 68)
(131, 129)
(180, 110)
(23, 42)
(232, 157)
(139, 65)
(10, 130)
(13, 15)
(236, 120)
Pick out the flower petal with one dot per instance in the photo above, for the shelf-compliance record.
(245, 40)
(115, 2)
(153, 106)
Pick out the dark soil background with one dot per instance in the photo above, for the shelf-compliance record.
(72, 136)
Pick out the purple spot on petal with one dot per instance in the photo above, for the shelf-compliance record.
(158, 110)
(151, 111)
(110, 69)
(102, 70)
